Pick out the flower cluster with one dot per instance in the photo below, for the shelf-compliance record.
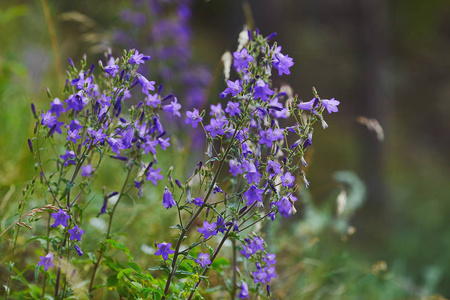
(261, 134)
(91, 118)
(257, 137)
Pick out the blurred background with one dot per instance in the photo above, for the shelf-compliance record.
(385, 153)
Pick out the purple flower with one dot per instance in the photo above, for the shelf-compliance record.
(153, 100)
(244, 291)
(220, 227)
(253, 194)
(168, 201)
(57, 107)
(46, 261)
(104, 101)
(216, 126)
(80, 253)
(307, 105)
(262, 90)
(208, 229)
(164, 250)
(270, 273)
(98, 135)
(75, 125)
(86, 171)
(164, 143)
(198, 201)
(149, 145)
(203, 259)
(247, 251)
(287, 179)
(193, 118)
(75, 233)
(252, 173)
(308, 141)
(111, 68)
(235, 167)
(331, 105)
(137, 184)
(257, 244)
(115, 145)
(217, 189)
(154, 176)
(269, 136)
(146, 85)
(273, 168)
(242, 59)
(81, 82)
(60, 217)
(233, 87)
(270, 259)
(284, 207)
(48, 119)
(271, 216)
(74, 102)
(216, 110)
(173, 107)
(68, 158)
(282, 63)
(233, 108)
(73, 136)
(138, 58)
(260, 276)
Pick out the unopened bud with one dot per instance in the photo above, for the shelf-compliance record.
(48, 92)
(91, 69)
(30, 145)
(178, 183)
(33, 110)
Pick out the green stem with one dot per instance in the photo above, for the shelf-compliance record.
(216, 252)
(195, 215)
(234, 264)
(100, 255)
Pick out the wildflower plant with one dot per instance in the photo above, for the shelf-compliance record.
(254, 166)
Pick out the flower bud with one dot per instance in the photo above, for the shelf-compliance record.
(33, 110)
(91, 69)
(30, 145)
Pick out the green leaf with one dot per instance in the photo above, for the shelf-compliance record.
(120, 246)
(183, 272)
(112, 280)
(178, 226)
(157, 268)
(69, 186)
(135, 267)
(137, 284)
(101, 156)
(43, 238)
(124, 273)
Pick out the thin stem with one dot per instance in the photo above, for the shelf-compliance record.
(194, 217)
(58, 275)
(100, 255)
(234, 264)
(260, 219)
(10, 267)
(216, 252)
(42, 169)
